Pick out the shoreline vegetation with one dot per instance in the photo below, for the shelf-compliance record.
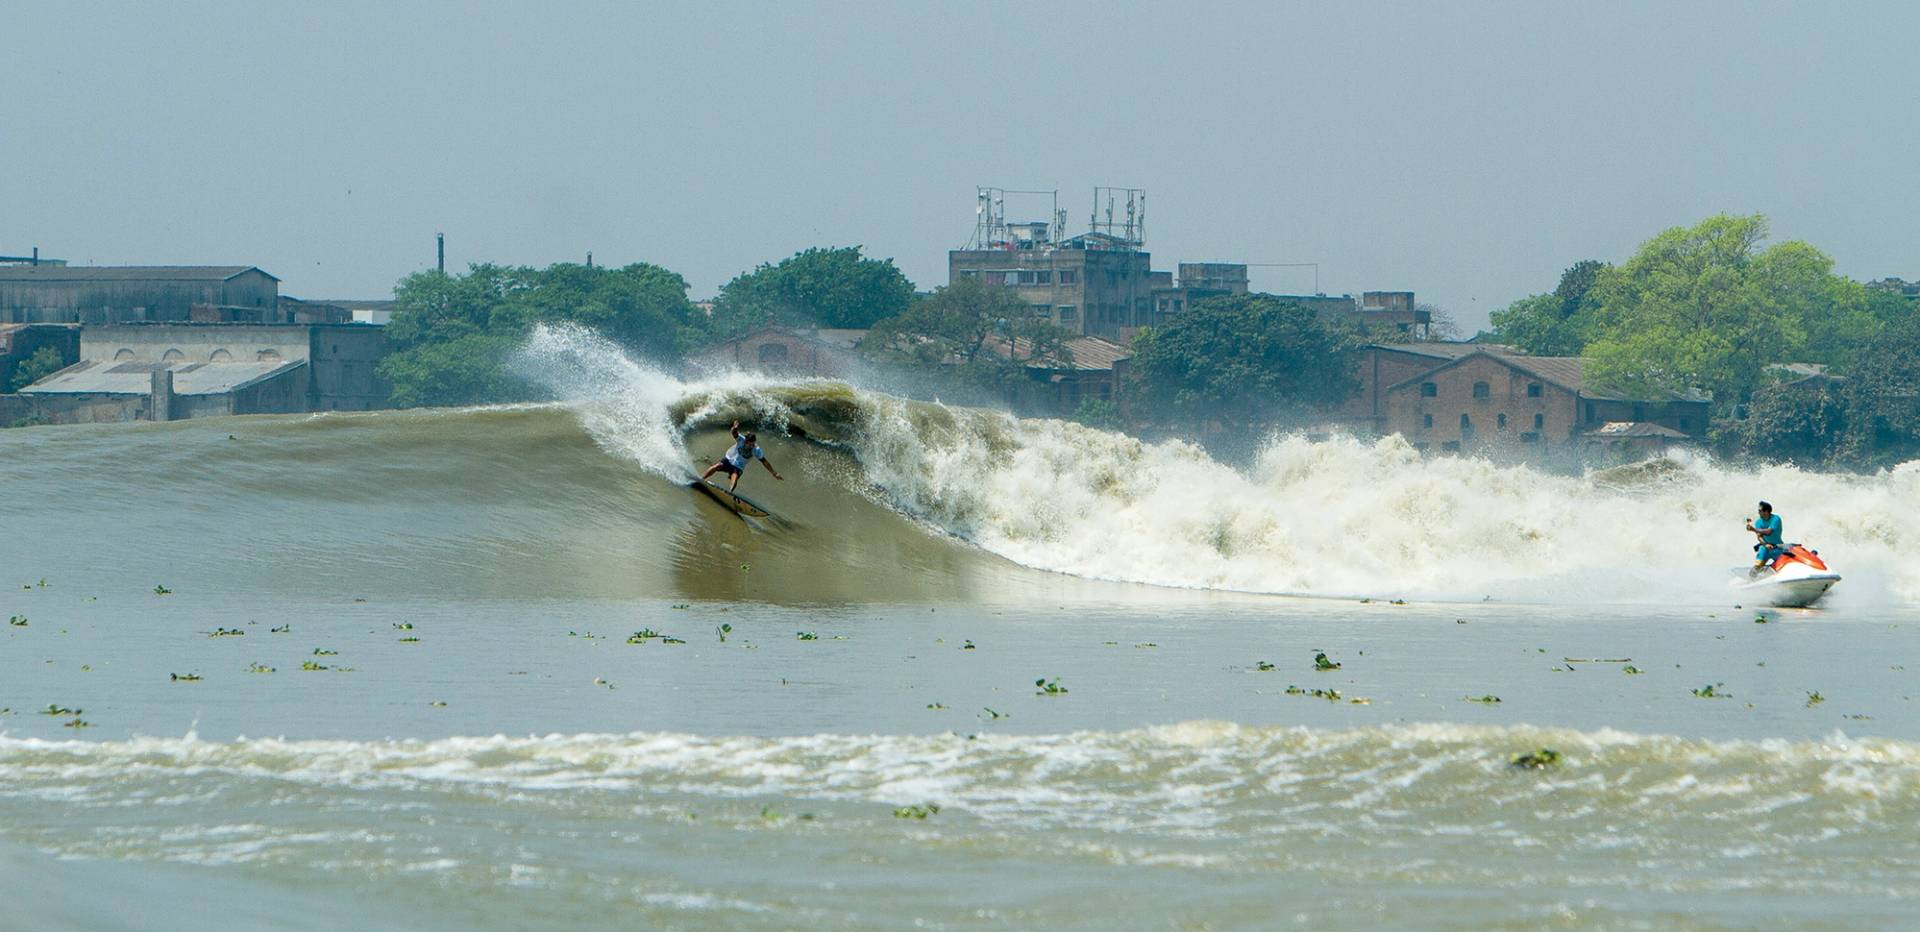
(1710, 309)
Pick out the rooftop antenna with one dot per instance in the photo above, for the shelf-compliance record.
(990, 230)
(1133, 229)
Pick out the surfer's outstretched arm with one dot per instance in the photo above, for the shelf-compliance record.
(765, 462)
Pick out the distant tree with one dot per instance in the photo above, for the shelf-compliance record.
(44, 362)
(1882, 398)
(453, 335)
(1706, 307)
(1241, 361)
(1440, 322)
(1550, 324)
(1098, 412)
(981, 335)
(830, 287)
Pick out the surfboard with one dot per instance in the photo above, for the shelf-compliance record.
(739, 503)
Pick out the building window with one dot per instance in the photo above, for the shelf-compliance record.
(1501, 424)
(1529, 437)
(1539, 421)
(996, 278)
(969, 273)
(220, 355)
(773, 352)
(1482, 390)
(172, 355)
(1069, 276)
(1429, 390)
(1533, 390)
(1036, 277)
(1042, 310)
(1427, 421)
(122, 354)
(1066, 312)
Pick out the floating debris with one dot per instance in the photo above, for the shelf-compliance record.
(1322, 664)
(916, 812)
(1814, 698)
(18, 621)
(1536, 760)
(283, 629)
(806, 636)
(1264, 666)
(1488, 699)
(324, 652)
(162, 590)
(1632, 670)
(183, 677)
(1713, 691)
(259, 668)
(1049, 687)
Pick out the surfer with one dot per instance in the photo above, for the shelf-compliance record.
(745, 449)
(1767, 529)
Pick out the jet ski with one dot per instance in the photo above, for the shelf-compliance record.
(1795, 579)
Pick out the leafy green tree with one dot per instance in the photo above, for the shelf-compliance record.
(1551, 324)
(1098, 412)
(1706, 307)
(44, 362)
(1882, 397)
(454, 335)
(980, 334)
(819, 287)
(1241, 361)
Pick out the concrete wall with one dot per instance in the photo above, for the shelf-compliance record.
(131, 299)
(343, 360)
(193, 343)
(1687, 417)
(1407, 409)
(71, 409)
(779, 351)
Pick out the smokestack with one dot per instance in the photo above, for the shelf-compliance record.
(36, 255)
(440, 245)
(589, 258)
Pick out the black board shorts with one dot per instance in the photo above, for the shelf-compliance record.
(729, 468)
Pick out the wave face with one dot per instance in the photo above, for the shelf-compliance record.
(1333, 517)
(889, 500)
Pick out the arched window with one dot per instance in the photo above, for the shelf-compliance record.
(220, 355)
(122, 354)
(1482, 390)
(1502, 423)
(267, 355)
(172, 355)
(1539, 421)
(1466, 423)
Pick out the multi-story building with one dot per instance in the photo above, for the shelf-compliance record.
(1092, 284)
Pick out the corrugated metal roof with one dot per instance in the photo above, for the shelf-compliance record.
(1089, 353)
(120, 273)
(1446, 350)
(136, 378)
(1635, 429)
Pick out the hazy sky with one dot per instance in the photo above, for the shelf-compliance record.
(1465, 151)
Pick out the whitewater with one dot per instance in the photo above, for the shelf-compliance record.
(498, 666)
(1332, 517)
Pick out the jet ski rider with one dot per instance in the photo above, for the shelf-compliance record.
(1767, 529)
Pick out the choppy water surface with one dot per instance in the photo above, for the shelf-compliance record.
(476, 741)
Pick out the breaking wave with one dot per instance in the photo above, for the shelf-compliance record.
(1340, 516)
